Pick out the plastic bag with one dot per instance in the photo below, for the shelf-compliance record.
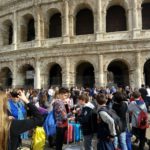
(38, 139)
(50, 124)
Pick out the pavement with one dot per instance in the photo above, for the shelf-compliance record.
(27, 143)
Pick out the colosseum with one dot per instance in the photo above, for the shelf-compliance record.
(74, 42)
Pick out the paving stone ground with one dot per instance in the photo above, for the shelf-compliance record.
(27, 143)
(26, 146)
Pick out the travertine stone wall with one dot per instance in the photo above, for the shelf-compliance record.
(132, 47)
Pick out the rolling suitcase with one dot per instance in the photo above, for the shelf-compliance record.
(76, 145)
(77, 132)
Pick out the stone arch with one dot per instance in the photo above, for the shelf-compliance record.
(7, 32)
(118, 13)
(54, 19)
(55, 74)
(109, 3)
(6, 77)
(85, 74)
(118, 72)
(81, 6)
(146, 71)
(47, 63)
(27, 28)
(77, 7)
(84, 21)
(46, 66)
(25, 76)
(144, 1)
(145, 11)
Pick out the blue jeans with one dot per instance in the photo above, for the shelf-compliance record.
(128, 140)
(88, 142)
(121, 140)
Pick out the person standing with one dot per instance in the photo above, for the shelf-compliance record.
(106, 131)
(16, 109)
(143, 92)
(135, 107)
(86, 119)
(50, 94)
(60, 114)
(148, 97)
(120, 106)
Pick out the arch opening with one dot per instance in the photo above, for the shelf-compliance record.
(26, 76)
(84, 22)
(118, 73)
(55, 76)
(7, 33)
(5, 78)
(118, 15)
(55, 26)
(145, 16)
(30, 30)
(27, 28)
(147, 72)
(85, 76)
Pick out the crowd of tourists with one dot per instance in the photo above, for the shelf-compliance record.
(111, 115)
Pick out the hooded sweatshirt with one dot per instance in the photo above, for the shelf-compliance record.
(85, 118)
(133, 108)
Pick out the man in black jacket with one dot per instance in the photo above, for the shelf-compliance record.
(143, 92)
(121, 108)
(85, 119)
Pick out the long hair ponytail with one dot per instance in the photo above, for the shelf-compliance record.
(4, 121)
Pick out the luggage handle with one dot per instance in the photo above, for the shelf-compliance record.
(74, 133)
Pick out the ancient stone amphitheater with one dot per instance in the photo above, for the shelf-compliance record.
(74, 42)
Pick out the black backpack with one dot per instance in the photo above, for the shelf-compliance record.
(93, 120)
(118, 123)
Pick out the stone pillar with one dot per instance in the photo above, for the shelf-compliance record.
(135, 15)
(38, 25)
(138, 71)
(136, 27)
(132, 78)
(37, 77)
(15, 30)
(104, 21)
(101, 70)
(66, 73)
(14, 74)
(72, 78)
(139, 10)
(99, 21)
(99, 74)
(72, 25)
(129, 18)
(44, 80)
(66, 38)
(101, 67)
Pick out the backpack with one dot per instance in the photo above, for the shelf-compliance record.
(93, 121)
(50, 124)
(142, 119)
(88, 120)
(116, 118)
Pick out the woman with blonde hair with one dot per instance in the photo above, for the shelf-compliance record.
(10, 127)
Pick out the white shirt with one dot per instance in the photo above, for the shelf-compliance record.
(51, 92)
(148, 92)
